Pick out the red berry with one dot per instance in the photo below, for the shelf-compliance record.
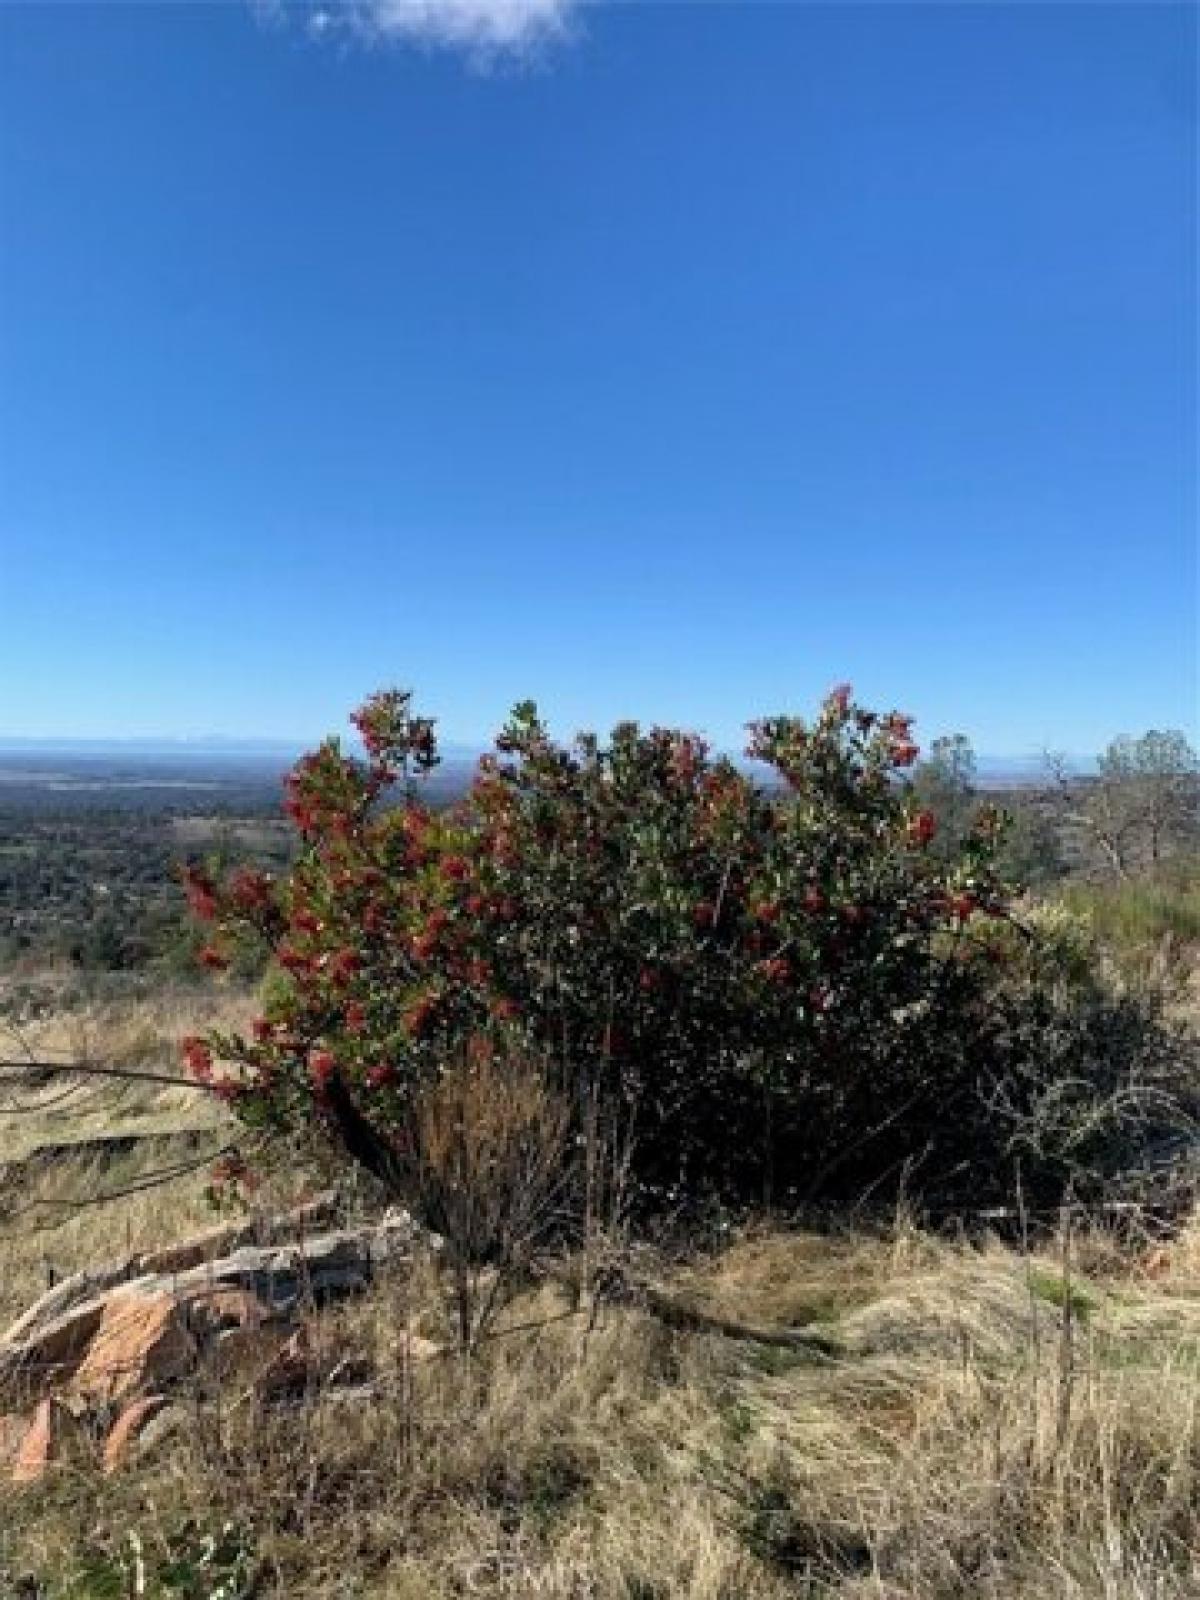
(343, 966)
(198, 1057)
(922, 827)
(321, 1066)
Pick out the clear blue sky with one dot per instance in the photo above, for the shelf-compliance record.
(724, 352)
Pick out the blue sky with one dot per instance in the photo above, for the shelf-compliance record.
(677, 363)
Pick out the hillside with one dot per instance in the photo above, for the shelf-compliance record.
(976, 1418)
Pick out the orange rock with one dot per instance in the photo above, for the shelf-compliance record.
(141, 1341)
(193, 1252)
(128, 1428)
(45, 1440)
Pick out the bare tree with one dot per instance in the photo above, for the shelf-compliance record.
(1142, 805)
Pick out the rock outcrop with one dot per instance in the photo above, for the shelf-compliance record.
(98, 1357)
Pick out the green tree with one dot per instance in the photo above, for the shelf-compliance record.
(944, 785)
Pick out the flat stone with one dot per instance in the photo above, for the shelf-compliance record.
(52, 1354)
(218, 1242)
(51, 1431)
(280, 1277)
(58, 1305)
(88, 1287)
(129, 1429)
(142, 1340)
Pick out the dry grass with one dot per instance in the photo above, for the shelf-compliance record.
(67, 1139)
(976, 1439)
(998, 1425)
(40, 1109)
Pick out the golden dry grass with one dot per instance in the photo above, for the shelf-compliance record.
(67, 1139)
(972, 1441)
(68, 1106)
(999, 1425)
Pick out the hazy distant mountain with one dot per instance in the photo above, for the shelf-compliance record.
(201, 746)
(272, 757)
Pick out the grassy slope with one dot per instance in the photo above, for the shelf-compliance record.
(972, 1440)
(66, 1139)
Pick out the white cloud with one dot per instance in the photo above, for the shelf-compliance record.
(486, 30)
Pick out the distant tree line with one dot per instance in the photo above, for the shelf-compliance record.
(1137, 815)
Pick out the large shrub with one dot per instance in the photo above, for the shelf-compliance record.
(766, 968)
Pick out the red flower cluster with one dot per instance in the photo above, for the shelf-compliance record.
(197, 1058)
(322, 1067)
(250, 891)
(922, 827)
(201, 894)
(342, 967)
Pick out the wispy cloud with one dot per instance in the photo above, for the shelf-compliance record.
(485, 30)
